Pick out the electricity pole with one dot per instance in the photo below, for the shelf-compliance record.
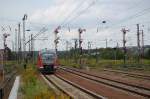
(16, 44)
(13, 48)
(29, 43)
(117, 45)
(75, 43)
(96, 55)
(32, 45)
(106, 42)
(138, 43)
(67, 46)
(75, 49)
(142, 44)
(19, 43)
(89, 47)
(124, 43)
(67, 51)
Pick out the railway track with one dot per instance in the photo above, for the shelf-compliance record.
(139, 90)
(136, 75)
(55, 86)
(96, 96)
(80, 92)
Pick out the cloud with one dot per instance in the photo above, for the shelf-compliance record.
(55, 13)
(76, 15)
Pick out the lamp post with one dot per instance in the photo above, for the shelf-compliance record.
(29, 39)
(24, 37)
(102, 22)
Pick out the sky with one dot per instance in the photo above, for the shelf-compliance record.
(72, 15)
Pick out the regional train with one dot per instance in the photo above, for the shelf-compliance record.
(47, 61)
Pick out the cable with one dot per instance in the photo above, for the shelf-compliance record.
(77, 7)
(81, 12)
(141, 13)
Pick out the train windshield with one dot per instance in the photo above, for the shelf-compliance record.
(48, 56)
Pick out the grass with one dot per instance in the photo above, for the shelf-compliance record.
(33, 87)
(131, 65)
(9, 66)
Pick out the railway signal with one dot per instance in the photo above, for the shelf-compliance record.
(4, 56)
(80, 42)
(56, 41)
(5, 35)
(124, 31)
(80, 39)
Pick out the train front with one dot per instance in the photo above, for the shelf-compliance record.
(47, 60)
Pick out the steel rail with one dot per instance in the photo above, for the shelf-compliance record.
(136, 75)
(95, 95)
(79, 73)
(59, 88)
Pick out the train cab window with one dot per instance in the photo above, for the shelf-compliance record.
(47, 56)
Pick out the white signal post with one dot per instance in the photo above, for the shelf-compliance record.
(56, 41)
(80, 42)
(124, 31)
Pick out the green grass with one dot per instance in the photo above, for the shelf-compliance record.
(9, 66)
(144, 65)
(33, 86)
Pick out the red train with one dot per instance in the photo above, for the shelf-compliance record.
(47, 61)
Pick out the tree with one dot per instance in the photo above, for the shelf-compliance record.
(147, 55)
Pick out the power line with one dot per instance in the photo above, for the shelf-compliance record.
(81, 12)
(43, 30)
(69, 15)
(141, 13)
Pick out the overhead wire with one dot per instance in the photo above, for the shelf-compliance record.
(78, 15)
(74, 10)
(69, 15)
(126, 19)
(73, 19)
(141, 13)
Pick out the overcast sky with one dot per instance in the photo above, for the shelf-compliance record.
(73, 14)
